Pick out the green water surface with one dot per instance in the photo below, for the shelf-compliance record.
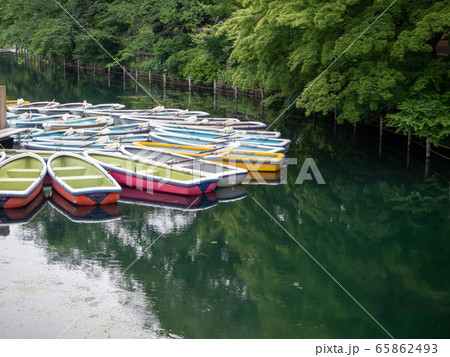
(230, 271)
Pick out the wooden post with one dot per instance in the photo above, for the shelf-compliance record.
(164, 80)
(380, 144)
(149, 81)
(137, 74)
(78, 70)
(17, 51)
(335, 121)
(109, 77)
(2, 107)
(427, 159)
(236, 99)
(354, 131)
(408, 150)
(94, 72)
(215, 87)
(189, 83)
(124, 84)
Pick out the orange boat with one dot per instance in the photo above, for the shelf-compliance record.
(82, 181)
(84, 214)
(21, 179)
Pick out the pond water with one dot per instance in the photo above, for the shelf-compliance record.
(223, 268)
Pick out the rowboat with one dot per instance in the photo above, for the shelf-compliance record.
(21, 179)
(153, 177)
(65, 108)
(217, 130)
(210, 124)
(168, 200)
(117, 130)
(32, 107)
(81, 180)
(84, 214)
(90, 122)
(119, 112)
(16, 103)
(84, 139)
(145, 118)
(23, 214)
(182, 114)
(11, 117)
(98, 107)
(249, 160)
(241, 136)
(228, 176)
(180, 139)
(71, 146)
(264, 178)
(14, 152)
(38, 120)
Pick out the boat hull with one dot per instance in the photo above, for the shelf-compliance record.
(260, 162)
(90, 199)
(7, 201)
(161, 186)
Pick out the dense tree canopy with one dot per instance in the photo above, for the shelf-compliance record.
(285, 46)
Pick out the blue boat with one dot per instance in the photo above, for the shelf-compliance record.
(213, 137)
(179, 139)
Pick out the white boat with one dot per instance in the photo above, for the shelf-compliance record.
(228, 175)
(64, 108)
(32, 107)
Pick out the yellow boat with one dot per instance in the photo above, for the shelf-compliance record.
(15, 103)
(249, 160)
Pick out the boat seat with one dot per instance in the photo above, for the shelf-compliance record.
(17, 179)
(69, 171)
(78, 178)
(68, 168)
(20, 173)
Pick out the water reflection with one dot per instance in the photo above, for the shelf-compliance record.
(155, 198)
(23, 214)
(84, 214)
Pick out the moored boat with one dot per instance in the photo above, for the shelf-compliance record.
(228, 176)
(98, 107)
(240, 135)
(32, 107)
(154, 177)
(82, 181)
(84, 214)
(23, 214)
(65, 108)
(21, 179)
(90, 122)
(16, 103)
(249, 160)
(180, 139)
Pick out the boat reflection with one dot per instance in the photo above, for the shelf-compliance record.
(23, 214)
(230, 194)
(154, 198)
(263, 178)
(84, 214)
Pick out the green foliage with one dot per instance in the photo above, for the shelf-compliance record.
(427, 118)
(330, 52)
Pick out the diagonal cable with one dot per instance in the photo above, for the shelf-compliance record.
(326, 69)
(321, 266)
